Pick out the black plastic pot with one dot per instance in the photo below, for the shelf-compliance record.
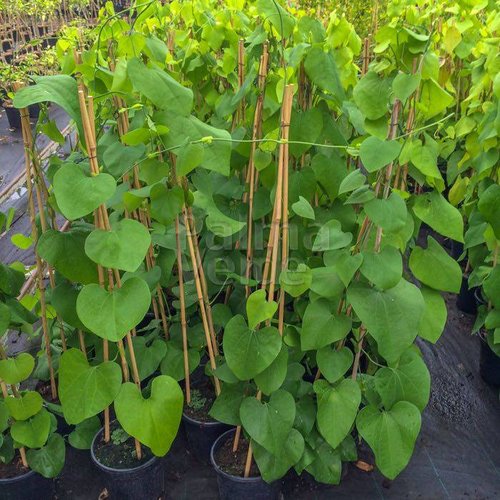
(466, 299)
(202, 435)
(241, 488)
(489, 365)
(14, 117)
(147, 481)
(28, 486)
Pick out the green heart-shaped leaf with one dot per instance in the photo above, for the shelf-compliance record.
(110, 315)
(303, 209)
(124, 247)
(435, 268)
(83, 435)
(34, 432)
(249, 352)
(297, 281)
(322, 325)
(408, 381)
(66, 253)
(337, 409)
(259, 309)
(119, 159)
(269, 423)
(273, 376)
(376, 154)
(153, 421)
(434, 210)
(15, 370)
(390, 434)
(333, 364)
(392, 316)
(384, 269)
(79, 194)
(86, 390)
(48, 460)
(148, 357)
(273, 467)
(389, 214)
(63, 299)
(24, 407)
(434, 317)
(331, 237)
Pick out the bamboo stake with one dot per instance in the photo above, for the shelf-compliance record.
(183, 312)
(257, 125)
(38, 181)
(378, 236)
(38, 260)
(103, 221)
(280, 213)
(201, 302)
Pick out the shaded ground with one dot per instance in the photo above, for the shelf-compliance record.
(457, 454)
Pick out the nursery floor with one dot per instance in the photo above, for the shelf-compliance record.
(457, 454)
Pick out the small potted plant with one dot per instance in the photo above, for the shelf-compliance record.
(485, 277)
(32, 453)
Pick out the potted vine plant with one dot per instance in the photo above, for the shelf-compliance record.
(32, 453)
(483, 256)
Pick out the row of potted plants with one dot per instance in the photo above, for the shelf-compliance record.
(245, 203)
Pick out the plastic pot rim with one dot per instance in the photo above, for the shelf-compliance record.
(210, 423)
(218, 470)
(106, 468)
(18, 479)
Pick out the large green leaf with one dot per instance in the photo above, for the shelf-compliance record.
(63, 298)
(274, 13)
(123, 247)
(371, 95)
(59, 89)
(435, 268)
(272, 378)
(389, 214)
(376, 154)
(66, 253)
(160, 88)
(433, 209)
(259, 309)
(216, 153)
(166, 203)
(391, 435)
(384, 269)
(48, 460)
(489, 207)
(111, 314)
(153, 421)
(296, 281)
(34, 432)
(25, 406)
(119, 159)
(305, 126)
(274, 466)
(434, 317)
(322, 325)
(15, 370)
(409, 381)
(79, 194)
(148, 357)
(337, 409)
(332, 363)
(391, 316)
(11, 280)
(331, 237)
(249, 352)
(82, 436)
(86, 390)
(321, 68)
(269, 423)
